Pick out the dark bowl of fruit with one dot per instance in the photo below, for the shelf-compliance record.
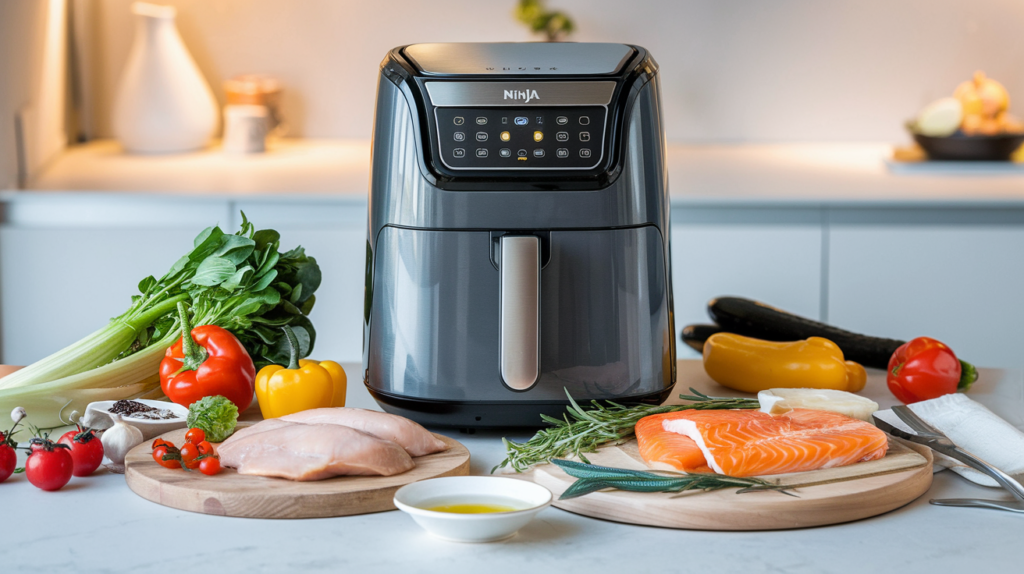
(961, 147)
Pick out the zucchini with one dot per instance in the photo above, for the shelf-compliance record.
(755, 319)
(695, 335)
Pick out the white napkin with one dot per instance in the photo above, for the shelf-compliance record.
(972, 427)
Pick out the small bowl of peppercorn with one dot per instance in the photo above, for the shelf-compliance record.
(153, 418)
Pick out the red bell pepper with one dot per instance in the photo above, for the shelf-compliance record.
(207, 361)
(924, 369)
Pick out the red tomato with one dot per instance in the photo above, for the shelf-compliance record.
(189, 452)
(49, 468)
(205, 448)
(195, 436)
(158, 455)
(209, 466)
(923, 369)
(162, 442)
(8, 460)
(86, 451)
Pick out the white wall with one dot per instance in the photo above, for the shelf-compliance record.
(32, 80)
(734, 70)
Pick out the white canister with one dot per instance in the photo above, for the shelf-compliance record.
(245, 128)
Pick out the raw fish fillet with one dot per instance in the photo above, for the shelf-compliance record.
(751, 443)
(416, 440)
(306, 452)
(667, 447)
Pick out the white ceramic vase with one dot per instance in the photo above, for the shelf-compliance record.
(163, 103)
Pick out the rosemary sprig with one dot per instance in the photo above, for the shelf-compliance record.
(581, 431)
(593, 478)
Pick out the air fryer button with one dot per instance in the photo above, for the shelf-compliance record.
(584, 120)
(562, 136)
(522, 121)
(458, 120)
(481, 121)
(481, 152)
(481, 136)
(561, 120)
(459, 152)
(540, 120)
(585, 152)
(584, 136)
(562, 152)
(521, 153)
(460, 136)
(538, 153)
(505, 152)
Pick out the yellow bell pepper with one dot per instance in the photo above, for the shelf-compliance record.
(303, 385)
(337, 375)
(752, 365)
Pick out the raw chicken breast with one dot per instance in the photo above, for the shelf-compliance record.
(262, 426)
(306, 452)
(416, 440)
(750, 443)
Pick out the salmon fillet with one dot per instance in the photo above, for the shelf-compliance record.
(752, 443)
(415, 439)
(306, 452)
(667, 447)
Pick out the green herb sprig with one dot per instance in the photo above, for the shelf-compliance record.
(593, 478)
(584, 430)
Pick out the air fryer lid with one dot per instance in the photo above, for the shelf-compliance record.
(549, 58)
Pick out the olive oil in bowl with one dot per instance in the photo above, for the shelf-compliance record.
(472, 508)
(474, 505)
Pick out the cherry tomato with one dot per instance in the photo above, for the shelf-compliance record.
(205, 448)
(8, 460)
(162, 442)
(86, 451)
(49, 468)
(195, 436)
(209, 466)
(189, 452)
(160, 453)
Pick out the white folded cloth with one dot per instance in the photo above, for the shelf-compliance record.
(972, 427)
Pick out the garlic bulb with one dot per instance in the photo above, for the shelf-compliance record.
(118, 440)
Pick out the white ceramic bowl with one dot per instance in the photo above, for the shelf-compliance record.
(526, 497)
(97, 416)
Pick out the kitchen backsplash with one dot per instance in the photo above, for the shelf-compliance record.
(742, 70)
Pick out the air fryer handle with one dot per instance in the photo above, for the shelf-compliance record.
(520, 311)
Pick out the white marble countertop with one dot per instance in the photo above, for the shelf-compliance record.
(97, 524)
(791, 175)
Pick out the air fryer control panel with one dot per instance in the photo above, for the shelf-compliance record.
(529, 137)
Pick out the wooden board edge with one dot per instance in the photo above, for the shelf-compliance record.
(857, 505)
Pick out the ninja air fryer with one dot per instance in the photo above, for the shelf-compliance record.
(518, 237)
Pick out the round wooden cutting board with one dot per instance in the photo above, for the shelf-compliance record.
(815, 505)
(233, 494)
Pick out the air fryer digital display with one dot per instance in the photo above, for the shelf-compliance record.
(570, 137)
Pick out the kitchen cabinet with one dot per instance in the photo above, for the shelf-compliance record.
(769, 255)
(58, 284)
(60, 280)
(956, 276)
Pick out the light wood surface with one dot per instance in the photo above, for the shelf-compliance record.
(233, 494)
(851, 498)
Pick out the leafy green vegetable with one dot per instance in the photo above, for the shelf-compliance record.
(216, 415)
(237, 281)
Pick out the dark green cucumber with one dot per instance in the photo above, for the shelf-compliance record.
(695, 335)
(755, 319)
